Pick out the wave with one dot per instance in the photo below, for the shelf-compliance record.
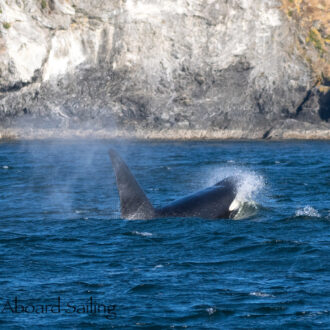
(308, 211)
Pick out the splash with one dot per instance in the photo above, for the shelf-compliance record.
(308, 211)
(250, 184)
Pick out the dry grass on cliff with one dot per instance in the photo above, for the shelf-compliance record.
(313, 21)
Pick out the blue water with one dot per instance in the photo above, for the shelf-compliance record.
(61, 237)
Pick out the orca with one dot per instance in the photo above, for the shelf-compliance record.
(215, 202)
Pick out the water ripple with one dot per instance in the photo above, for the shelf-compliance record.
(61, 235)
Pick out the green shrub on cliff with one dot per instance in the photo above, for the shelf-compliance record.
(43, 4)
(315, 38)
(6, 25)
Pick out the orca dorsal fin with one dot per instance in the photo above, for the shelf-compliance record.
(134, 204)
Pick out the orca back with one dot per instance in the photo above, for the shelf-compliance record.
(210, 203)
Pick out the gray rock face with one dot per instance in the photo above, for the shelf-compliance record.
(152, 65)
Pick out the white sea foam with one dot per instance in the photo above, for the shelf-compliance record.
(5, 167)
(79, 211)
(260, 294)
(211, 310)
(143, 233)
(308, 211)
(158, 266)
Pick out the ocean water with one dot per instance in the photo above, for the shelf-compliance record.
(67, 259)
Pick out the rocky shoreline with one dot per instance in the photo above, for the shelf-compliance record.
(165, 134)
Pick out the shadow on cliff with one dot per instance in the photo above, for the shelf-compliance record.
(324, 102)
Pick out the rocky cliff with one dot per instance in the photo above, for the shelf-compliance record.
(170, 68)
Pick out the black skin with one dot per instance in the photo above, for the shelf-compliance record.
(210, 203)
